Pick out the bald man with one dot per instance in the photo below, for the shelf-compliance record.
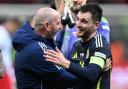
(31, 69)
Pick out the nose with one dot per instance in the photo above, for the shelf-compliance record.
(60, 26)
(75, 1)
(78, 23)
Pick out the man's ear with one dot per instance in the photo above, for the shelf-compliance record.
(96, 25)
(46, 25)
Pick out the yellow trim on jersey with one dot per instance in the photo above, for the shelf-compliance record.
(97, 60)
(75, 55)
(98, 85)
(81, 63)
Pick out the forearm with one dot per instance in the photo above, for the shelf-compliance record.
(105, 80)
(62, 78)
(90, 72)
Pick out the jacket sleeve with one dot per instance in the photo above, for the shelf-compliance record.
(49, 72)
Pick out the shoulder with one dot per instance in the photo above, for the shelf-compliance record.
(31, 53)
(100, 41)
(104, 24)
(101, 46)
(104, 20)
(77, 41)
(34, 48)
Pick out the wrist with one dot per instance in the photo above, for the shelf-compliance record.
(66, 64)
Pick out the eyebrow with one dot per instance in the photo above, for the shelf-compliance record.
(83, 19)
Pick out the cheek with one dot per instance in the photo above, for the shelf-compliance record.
(88, 26)
(84, 2)
(55, 30)
(51, 30)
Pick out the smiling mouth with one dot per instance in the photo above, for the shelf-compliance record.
(76, 5)
(80, 30)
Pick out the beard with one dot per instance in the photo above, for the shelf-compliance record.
(84, 34)
(75, 8)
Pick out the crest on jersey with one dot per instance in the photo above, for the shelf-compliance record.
(81, 55)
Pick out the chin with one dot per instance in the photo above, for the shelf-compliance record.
(79, 35)
(75, 8)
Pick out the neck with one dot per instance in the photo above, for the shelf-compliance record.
(40, 32)
(90, 37)
(43, 33)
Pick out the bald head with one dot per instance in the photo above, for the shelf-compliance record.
(47, 22)
(45, 14)
(46, 10)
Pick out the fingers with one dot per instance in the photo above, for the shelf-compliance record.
(107, 68)
(107, 65)
(49, 58)
(53, 60)
(58, 50)
(51, 53)
(56, 57)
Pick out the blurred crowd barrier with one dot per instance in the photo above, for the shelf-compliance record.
(117, 16)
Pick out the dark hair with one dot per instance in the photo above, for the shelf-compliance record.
(53, 5)
(94, 9)
(93, 1)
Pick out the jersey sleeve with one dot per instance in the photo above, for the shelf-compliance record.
(101, 52)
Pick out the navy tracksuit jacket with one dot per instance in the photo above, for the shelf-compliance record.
(31, 69)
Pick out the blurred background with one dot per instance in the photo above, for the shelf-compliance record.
(116, 11)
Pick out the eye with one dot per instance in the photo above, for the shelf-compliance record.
(58, 22)
(84, 21)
